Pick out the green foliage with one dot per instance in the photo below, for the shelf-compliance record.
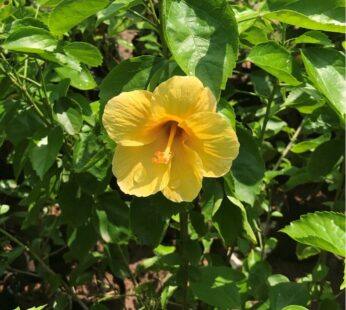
(323, 230)
(71, 239)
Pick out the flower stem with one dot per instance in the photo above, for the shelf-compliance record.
(267, 115)
(184, 219)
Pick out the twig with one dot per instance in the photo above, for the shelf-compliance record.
(289, 145)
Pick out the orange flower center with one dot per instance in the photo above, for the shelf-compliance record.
(164, 157)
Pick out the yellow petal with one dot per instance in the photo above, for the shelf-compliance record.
(126, 118)
(214, 140)
(180, 97)
(135, 171)
(185, 180)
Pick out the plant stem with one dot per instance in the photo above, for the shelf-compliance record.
(289, 145)
(184, 220)
(267, 115)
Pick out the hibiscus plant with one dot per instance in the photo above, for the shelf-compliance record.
(172, 154)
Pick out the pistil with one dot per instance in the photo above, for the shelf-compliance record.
(164, 157)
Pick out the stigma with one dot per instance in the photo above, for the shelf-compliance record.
(164, 157)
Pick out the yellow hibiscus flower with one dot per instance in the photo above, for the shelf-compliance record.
(169, 139)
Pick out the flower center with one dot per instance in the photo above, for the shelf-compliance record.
(165, 156)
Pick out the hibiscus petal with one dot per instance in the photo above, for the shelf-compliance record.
(185, 180)
(212, 137)
(180, 97)
(135, 171)
(127, 118)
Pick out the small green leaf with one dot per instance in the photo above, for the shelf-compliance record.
(69, 13)
(84, 53)
(275, 59)
(305, 251)
(322, 15)
(45, 147)
(69, 115)
(30, 40)
(4, 209)
(322, 230)
(310, 145)
(203, 38)
(215, 285)
(313, 37)
(326, 70)
(82, 80)
(324, 158)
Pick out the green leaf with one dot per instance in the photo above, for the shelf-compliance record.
(131, 74)
(322, 15)
(313, 37)
(147, 221)
(113, 218)
(84, 53)
(275, 59)
(69, 115)
(285, 294)
(28, 22)
(215, 285)
(44, 150)
(324, 158)
(305, 251)
(76, 206)
(231, 221)
(82, 80)
(69, 13)
(305, 99)
(248, 167)
(326, 70)
(203, 38)
(322, 230)
(310, 145)
(30, 40)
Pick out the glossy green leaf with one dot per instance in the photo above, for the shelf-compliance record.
(275, 59)
(326, 70)
(286, 294)
(215, 285)
(84, 53)
(131, 74)
(322, 15)
(325, 156)
(322, 230)
(45, 149)
(82, 80)
(69, 13)
(203, 38)
(313, 37)
(30, 40)
(69, 115)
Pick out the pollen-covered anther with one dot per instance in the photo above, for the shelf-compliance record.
(165, 156)
(162, 157)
